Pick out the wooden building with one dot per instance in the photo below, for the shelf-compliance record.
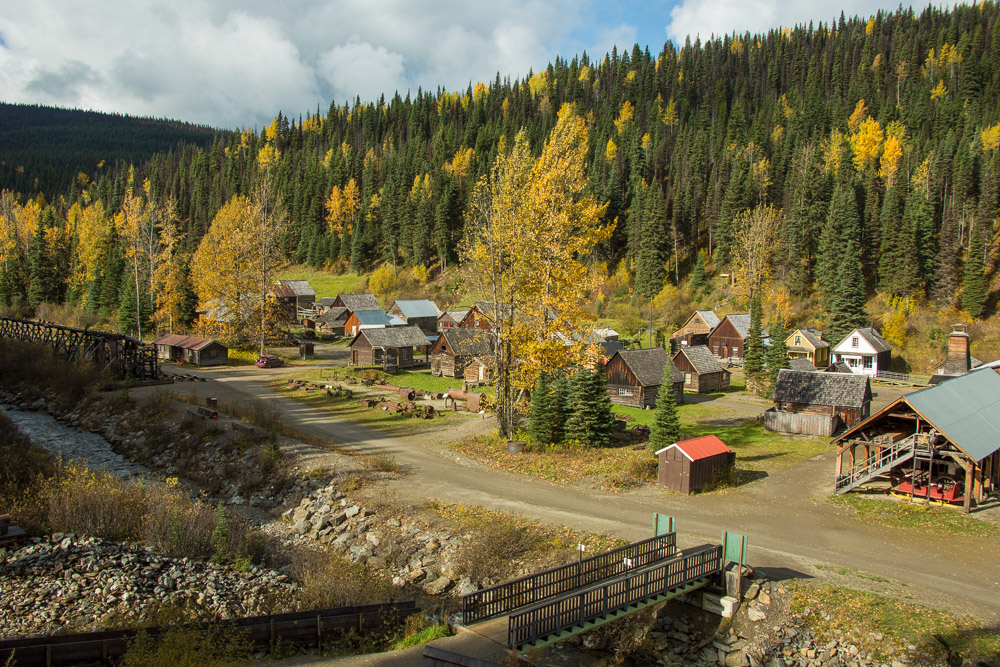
(391, 348)
(365, 319)
(702, 373)
(813, 403)
(634, 377)
(463, 353)
(864, 351)
(324, 304)
(450, 319)
(333, 321)
(419, 312)
(355, 302)
(286, 300)
(728, 340)
(939, 443)
(191, 350)
(692, 465)
(480, 316)
(305, 295)
(695, 330)
(808, 344)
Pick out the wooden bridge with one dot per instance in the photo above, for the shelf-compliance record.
(552, 605)
(120, 355)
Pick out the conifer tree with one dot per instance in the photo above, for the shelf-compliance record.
(974, 285)
(666, 427)
(753, 354)
(777, 353)
(546, 414)
(590, 421)
(698, 275)
(848, 306)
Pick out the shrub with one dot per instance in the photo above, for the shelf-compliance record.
(495, 548)
(188, 646)
(330, 580)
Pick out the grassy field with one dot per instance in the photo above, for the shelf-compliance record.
(926, 518)
(885, 626)
(325, 284)
(351, 409)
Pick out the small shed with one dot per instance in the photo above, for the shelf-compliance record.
(191, 350)
(813, 403)
(389, 347)
(461, 352)
(702, 373)
(634, 377)
(305, 295)
(692, 465)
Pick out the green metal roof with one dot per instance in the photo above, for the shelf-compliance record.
(966, 409)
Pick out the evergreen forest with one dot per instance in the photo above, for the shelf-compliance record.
(877, 138)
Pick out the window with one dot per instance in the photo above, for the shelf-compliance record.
(626, 392)
(867, 363)
(852, 362)
(854, 342)
(687, 378)
(798, 340)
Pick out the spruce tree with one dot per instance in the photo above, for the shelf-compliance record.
(847, 310)
(753, 354)
(777, 353)
(698, 275)
(40, 272)
(974, 286)
(666, 427)
(545, 427)
(590, 421)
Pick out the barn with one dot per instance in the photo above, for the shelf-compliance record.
(696, 330)
(390, 348)
(191, 350)
(420, 312)
(304, 293)
(461, 352)
(692, 465)
(634, 377)
(702, 373)
(811, 403)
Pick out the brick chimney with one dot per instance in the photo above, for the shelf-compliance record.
(958, 361)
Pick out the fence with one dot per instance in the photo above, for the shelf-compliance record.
(502, 598)
(790, 422)
(302, 626)
(903, 378)
(536, 623)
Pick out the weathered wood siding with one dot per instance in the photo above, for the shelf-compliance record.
(726, 341)
(800, 423)
(677, 473)
(624, 387)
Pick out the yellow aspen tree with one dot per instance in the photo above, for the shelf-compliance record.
(756, 231)
(867, 144)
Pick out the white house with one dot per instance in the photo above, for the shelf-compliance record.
(864, 351)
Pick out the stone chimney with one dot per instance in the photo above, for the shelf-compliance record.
(958, 361)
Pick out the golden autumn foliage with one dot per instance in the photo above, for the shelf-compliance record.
(939, 91)
(870, 26)
(833, 151)
(990, 137)
(858, 115)
(866, 144)
(625, 115)
(341, 208)
(891, 154)
(530, 231)
(460, 166)
(610, 151)
(757, 233)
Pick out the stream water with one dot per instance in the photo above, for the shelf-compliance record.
(72, 444)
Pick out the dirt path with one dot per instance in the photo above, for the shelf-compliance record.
(790, 525)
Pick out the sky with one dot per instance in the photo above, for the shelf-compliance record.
(236, 64)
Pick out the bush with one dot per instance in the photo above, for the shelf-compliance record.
(37, 369)
(330, 580)
(495, 548)
(188, 646)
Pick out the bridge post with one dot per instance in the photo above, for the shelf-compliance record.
(662, 524)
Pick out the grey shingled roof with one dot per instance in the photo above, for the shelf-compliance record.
(851, 391)
(326, 301)
(741, 322)
(360, 301)
(647, 365)
(965, 409)
(801, 364)
(873, 337)
(417, 308)
(468, 341)
(814, 336)
(301, 287)
(711, 319)
(701, 359)
(408, 336)
(333, 315)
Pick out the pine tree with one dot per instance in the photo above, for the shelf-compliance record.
(777, 353)
(974, 285)
(546, 412)
(753, 355)
(590, 421)
(848, 306)
(40, 271)
(698, 275)
(666, 427)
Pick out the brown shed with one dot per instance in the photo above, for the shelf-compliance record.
(696, 330)
(634, 377)
(818, 403)
(464, 353)
(702, 373)
(333, 321)
(728, 340)
(391, 347)
(691, 465)
(191, 350)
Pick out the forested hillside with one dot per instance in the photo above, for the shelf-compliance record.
(876, 138)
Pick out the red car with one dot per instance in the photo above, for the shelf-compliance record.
(269, 362)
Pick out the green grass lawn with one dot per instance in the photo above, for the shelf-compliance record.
(325, 284)
(926, 518)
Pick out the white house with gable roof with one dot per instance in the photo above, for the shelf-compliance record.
(864, 351)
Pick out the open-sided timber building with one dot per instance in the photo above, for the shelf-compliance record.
(940, 443)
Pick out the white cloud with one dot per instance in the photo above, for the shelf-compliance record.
(358, 68)
(705, 18)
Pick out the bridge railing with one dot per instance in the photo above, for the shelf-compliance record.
(502, 598)
(551, 617)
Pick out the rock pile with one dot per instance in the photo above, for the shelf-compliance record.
(73, 583)
(412, 550)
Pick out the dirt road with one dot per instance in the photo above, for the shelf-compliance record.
(791, 526)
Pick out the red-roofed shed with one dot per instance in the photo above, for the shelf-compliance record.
(689, 466)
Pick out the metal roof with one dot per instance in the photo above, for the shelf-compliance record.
(965, 409)
(416, 308)
(699, 448)
(185, 342)
(372, 317)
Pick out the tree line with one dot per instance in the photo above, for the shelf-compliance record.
(876, 141)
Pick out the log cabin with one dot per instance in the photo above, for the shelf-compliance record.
(702, 373)
(390, 348)
(807, 402)
(634, 377)
(463, 353)
(728, 340)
